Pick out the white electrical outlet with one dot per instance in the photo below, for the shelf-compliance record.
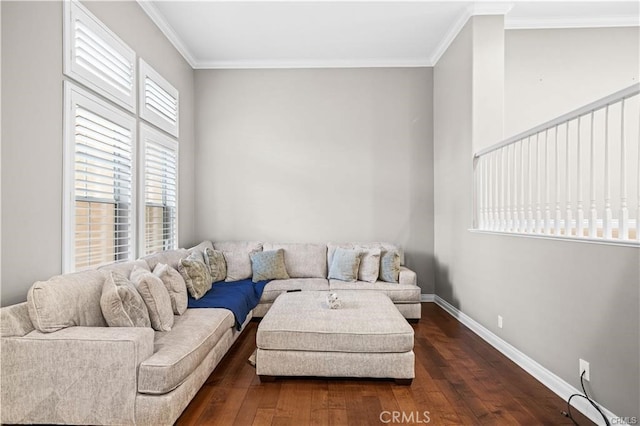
(584, 366)
(499, 321)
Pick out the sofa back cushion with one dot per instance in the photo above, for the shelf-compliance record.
(169, 257)
(67, 300)
(201, 247)
(303, 260)
(236, 256)
(331, 248)
(124, 268)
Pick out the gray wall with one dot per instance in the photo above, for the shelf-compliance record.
(32, 131)
(551, 72)
(561, 301)
(317, 155)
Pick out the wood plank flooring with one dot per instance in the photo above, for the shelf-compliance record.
(460, 380)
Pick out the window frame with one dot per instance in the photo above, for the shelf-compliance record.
(149, 115)
(148, 132)
(73, 10)
(75, 95)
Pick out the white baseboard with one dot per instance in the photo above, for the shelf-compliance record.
(427, 297)
(544, 376)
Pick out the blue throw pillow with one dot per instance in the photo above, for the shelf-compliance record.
(345, 264)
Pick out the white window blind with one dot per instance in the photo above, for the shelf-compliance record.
(97, 58)
(160, 188)
(99, 181)
(158, 100)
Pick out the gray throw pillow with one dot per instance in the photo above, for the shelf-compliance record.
(196, 274)
(345, 264)
(175, 285)
(268, 265)
(390, 266)
(121, 304)
(155, 296)
(217, 265)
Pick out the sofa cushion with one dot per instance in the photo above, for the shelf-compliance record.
(201, 247)
(398, 293)
(331, 247)
(155, 296)
(216, 263)
(169, 257)
(67, 300)
(276, 287)
(196, 274)
(122, 305)
(179, 351)
(345, 264)
(176, 286)
(268, 265)
(236, 256)
(369, 264)
(303, 260)
(124, 268)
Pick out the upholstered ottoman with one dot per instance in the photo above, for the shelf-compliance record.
(366, 337)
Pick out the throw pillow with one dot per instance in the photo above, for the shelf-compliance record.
(238, 265)
(121, 304)
(216, 263)
(196, 274)
(155, 296)
(390, 266)
(345, 264)
(369, 264)
(175, 285)
(268, 265)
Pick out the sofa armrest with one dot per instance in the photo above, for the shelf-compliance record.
(78, 375)
(407, 276)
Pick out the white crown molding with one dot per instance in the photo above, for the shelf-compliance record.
(336, 63)
(570, 22)
(477, 9)
(152, 12)
(544, 376)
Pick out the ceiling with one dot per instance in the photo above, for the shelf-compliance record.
(310, 34)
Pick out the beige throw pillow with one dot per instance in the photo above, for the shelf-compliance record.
(369, 264)
(216, 263)
(268, 265)
(238, 265)
(390, 266)
(196, 274)
(175, 285)
(155, 296)
(121, 304)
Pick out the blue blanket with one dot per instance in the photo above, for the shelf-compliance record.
(239, 297)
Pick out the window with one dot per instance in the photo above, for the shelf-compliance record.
(159, 185)
(158, 100)
(97, 58)
(109, 217)
(99, 181)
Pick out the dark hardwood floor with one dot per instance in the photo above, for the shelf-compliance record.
(460, 380)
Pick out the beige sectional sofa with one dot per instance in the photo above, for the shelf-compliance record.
(61, 363)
